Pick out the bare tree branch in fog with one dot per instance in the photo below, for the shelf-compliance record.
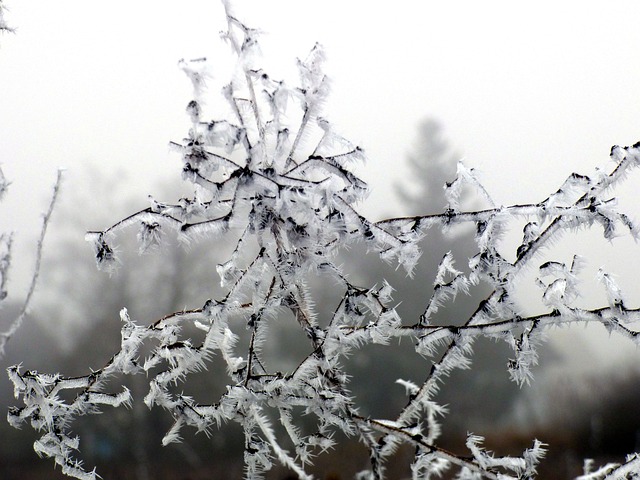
(5, 261)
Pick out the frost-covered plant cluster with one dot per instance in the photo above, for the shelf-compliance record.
(274, 176)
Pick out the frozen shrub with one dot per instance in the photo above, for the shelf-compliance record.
(273, 175)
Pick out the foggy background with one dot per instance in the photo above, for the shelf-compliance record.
(526, 94)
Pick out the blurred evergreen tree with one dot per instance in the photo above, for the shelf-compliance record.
(432, 163)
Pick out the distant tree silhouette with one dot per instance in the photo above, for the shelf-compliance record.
(432, 163)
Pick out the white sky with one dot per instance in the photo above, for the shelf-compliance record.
(529, 91)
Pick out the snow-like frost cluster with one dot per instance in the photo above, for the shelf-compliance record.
(274, 176)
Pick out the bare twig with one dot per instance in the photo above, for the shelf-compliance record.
(24, 310)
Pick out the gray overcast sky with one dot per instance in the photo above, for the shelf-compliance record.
(529, 91)
(519, 86)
